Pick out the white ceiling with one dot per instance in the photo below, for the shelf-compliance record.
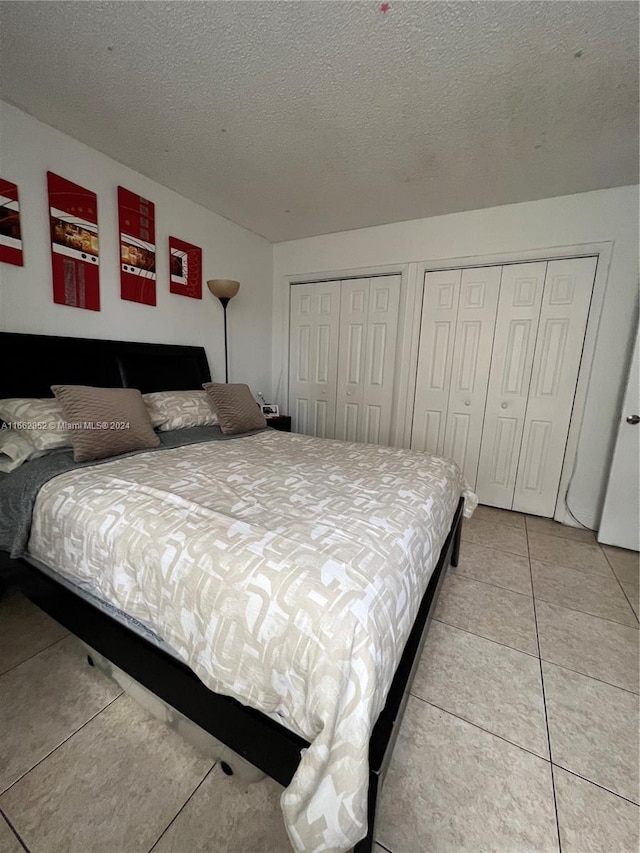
(302, 118)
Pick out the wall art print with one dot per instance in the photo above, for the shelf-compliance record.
(75, 248)
(10, 234)
(185, 268)
(136, 217)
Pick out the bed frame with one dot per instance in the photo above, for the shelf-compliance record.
(39, 361)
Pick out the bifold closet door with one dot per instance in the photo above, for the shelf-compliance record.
(456, 337)
(519, 304)
(366, 358)
(556, 362)
(479, 290)
(435, 355)
(498, 362)
(313, 358)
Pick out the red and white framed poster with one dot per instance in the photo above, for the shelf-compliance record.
(185, 266)
(136, 218)
(75, 250)
(10, 234)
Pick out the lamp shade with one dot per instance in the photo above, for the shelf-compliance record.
(223, 288)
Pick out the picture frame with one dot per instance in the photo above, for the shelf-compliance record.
(10, 233)
(185, 268)
(270, 410)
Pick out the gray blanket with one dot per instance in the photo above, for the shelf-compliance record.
(19, 489)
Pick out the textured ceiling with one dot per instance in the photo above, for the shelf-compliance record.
(302, 118)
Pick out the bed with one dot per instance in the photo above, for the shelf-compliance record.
(312, 530)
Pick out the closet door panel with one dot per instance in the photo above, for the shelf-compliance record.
(313, 358)
(373, 426)
(519, 304)
(563, 319)
(475, 326)
(301, 332)
(435, 356)
(354, 312)
(382, 331)
(348, 426)
(366, 359)
(321, 426)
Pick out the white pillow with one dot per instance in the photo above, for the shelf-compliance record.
(15, 449)
(179, 409)
(41, 421)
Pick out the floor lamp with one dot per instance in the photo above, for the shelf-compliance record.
(225, 289)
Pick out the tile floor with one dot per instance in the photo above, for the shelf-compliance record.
(521, 733)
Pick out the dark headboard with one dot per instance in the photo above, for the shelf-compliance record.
(30, 364)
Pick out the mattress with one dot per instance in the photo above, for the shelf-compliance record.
(88, 593)
(285, 570)
(194, 734)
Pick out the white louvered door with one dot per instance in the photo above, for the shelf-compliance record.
(511, 362)
(366, 358)
(563, 318)
(313, 357)
(475, 326)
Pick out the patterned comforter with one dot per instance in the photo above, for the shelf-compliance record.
(285, 570)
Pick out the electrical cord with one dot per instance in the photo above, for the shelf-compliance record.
(566, 496)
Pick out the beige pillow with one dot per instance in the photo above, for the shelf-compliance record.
(40, 421)
(105, 421)
(179, 409)
(235, 407)
(15, 449)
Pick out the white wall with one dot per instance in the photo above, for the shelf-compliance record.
(586, 218)
(28, 149)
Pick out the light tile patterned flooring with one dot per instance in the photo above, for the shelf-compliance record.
(521, 733)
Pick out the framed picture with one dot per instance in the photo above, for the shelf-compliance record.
(75, 247)
(137, 223)
(10, 235)
(185, 264)
(270, 410)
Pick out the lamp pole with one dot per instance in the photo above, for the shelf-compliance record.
(225, 301)
(224, 289)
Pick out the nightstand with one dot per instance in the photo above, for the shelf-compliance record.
(281, 422)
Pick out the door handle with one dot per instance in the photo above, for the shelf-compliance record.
(633, 419)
